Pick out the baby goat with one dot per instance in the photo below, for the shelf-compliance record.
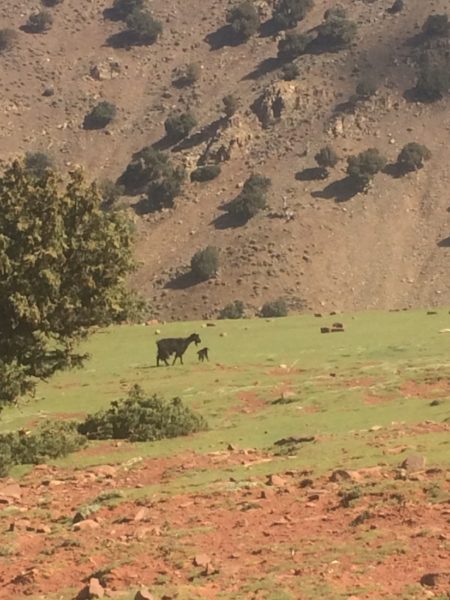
(202, 354)
(177, 346)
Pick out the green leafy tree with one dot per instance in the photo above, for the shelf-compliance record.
(290, 71)
(288, 13)
(293, 45)
(37, 163)
(433, 82)
(122, 8)
(326, 157)
(205, 263)
(205, 173)
(143, 27)
(364, 166)
(275, 308)
(179, 125)
(413, 156)
(63, 263)
(230, 105)
(234, 310)
(336, 33)
(252, 199)
(244, 20)
(39, 22)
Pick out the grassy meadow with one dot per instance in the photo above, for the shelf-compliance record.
(383, 372)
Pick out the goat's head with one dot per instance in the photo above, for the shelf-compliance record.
(195, 338)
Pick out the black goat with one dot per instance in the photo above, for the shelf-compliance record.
(202, 354)
(177, 346)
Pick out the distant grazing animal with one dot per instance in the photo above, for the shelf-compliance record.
(177, 346)
(202, 354)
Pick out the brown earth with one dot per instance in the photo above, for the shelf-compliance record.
(228, 538)
(378, 249)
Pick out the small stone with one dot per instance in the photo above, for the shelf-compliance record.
(43, 529)
(276, 480)
(142, 514)
(96, 590)
(340, 475)
(414, 463)
(85, 525)
(202, 560)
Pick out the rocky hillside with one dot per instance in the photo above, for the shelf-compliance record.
(318, 243)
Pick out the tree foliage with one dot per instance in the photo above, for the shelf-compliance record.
(433, 81)
(413, 156)
(100, 115)
(252, 199)
(179, 125)
(143, 28)
(230, 105)
(336, 33)
(288, 13)
(205, 263)
(364, 166)
(275, 308)
(63, 263)
(326, 157)
(39, 22)
(436, 25)
(293, 45)
(244, 20)
(37, 163)
(234, 310)
(122, 8)
(205, 173)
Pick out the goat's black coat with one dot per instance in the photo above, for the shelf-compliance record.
(202, 354)
(177, 346)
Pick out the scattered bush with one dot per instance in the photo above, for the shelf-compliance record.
(39, 22)
(365, 89)
(234, 310)
(50, 440)
(51, 3)
(99, 117)
(142, 418)
(436, 25)
(252, 199)
(205, 263)
(8, 38)
(276, 308)
(433, 82)
(413, 156)
(293, 45)
(162, 192)
(189, 75)
(206, 173)
(337, 12)
(178, 126)
(122, 8)
(110, 193)
(142, 27)
(336, 33)
(326, 157)
(230, 105)
(244, 20)
(289, 12)
(290, 71)
(38, 163)
(363, 167)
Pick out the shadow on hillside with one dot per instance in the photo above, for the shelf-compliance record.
(347, 108)
(112, 14)
(181, 282)
(204, 135)
(268, 29)
(312, 174)
(394, 170)
(126, 39)
(224, 36)
(264, 68)
(340, 191)
(445, 243)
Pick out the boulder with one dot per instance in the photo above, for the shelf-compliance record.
(108, 69)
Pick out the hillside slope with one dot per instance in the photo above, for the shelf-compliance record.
(382, 249)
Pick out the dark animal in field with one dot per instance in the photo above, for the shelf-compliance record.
(177, 346)
(202, 354)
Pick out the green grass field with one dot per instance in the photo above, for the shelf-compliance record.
(379, 358)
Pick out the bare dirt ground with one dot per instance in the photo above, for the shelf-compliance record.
(242, 539)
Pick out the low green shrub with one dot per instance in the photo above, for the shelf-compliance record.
(252, 199)
(230, 105)
(275, 308)
(179, 126)
(244, 20)
(205, 263)
(141, 417)
(39, 22)
(38, 163)
(206, 173)
(99, 117)
(413, 156)
(234, 310)
(290, 71)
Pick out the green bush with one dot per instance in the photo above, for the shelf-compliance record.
(230, 105)
(99, 117)
(326, 157)
(110, 192)
(244, 20)
(206, 173)
(142, 418)
(234, 310)
(39, 22)
(205, 263)
(413, 156)
(38, 163)
(436, 25)
(8, 38)
(276, 308)
(179, 126)
(290, 71)
(288, 13)
(363, 167)
(252, 199)
(122, 8)
(336, 33)
(189, 75)
(143, 27)
(433, 82)
(293, 45)
(162, 192)
(52, 439)
(366, 89)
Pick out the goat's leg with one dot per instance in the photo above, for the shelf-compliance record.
(176, 355)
